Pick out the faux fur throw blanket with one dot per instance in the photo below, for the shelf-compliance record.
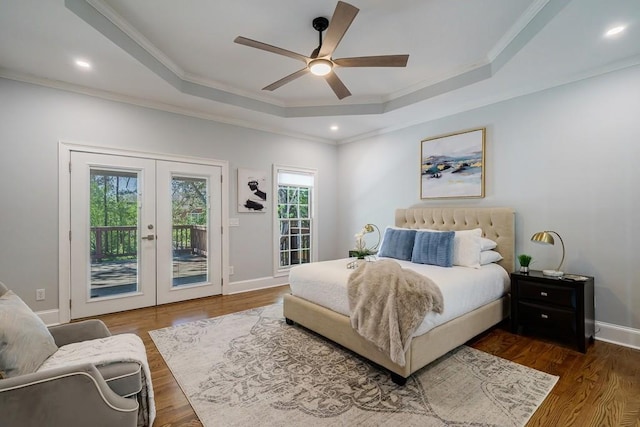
(103, 351)
(388, 303)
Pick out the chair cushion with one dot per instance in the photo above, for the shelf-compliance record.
(118, 358)
(25, 341)
(123, 377)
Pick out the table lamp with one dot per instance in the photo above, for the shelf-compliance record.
(370, 228)
(545, 238)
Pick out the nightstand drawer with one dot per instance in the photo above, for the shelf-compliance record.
(539, 316)
(548, 294)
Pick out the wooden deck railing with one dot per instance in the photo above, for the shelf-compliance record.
(121, 242)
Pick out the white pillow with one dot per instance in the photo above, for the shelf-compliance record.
(487, 244)
(466, 248)
(487, 257)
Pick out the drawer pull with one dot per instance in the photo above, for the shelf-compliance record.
(544, 316)
(544, 294)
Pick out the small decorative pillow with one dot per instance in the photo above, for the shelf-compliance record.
(435, 248)
(487, 257)
(25, 341)
(397, 243)
(466, 248)
(487, 244)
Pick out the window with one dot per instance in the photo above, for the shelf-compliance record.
(294, 217)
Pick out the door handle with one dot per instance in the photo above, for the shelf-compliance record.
(148, 237)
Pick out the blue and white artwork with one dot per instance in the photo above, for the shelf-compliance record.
(453, 165)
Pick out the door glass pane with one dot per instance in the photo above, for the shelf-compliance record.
(113, 236)
(189, 230)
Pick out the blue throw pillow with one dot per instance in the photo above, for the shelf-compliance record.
(434, 248)
(397, 243)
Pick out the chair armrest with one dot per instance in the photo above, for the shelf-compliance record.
(79, 331)
(69, 396)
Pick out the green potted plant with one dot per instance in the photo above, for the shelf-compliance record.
(524, 261)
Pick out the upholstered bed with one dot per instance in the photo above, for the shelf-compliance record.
(497, 224)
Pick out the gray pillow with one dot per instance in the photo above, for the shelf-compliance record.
(25, 341)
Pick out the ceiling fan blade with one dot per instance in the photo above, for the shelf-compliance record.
(283, 81)
(342, 18)
(273, 49)
(336, 84)
(373, 61)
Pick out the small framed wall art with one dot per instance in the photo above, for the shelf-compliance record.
(252, 190)
(452, 165)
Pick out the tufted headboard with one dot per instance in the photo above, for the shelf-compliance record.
(496, 223)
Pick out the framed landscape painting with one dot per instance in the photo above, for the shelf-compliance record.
(452, 165)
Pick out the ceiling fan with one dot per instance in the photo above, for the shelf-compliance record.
(320, 62)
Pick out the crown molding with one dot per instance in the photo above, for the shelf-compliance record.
(475, 103)
(145, 103)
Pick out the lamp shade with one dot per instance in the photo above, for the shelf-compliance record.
(546, 238)
(543, 237)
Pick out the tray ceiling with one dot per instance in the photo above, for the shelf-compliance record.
(180, 56)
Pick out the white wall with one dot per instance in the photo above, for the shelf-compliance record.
(34, 119)
(566, 159)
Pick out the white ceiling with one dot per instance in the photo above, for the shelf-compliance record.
(180, 56)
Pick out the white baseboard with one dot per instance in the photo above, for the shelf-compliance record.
(615, 334)
(50, 317)
(254, 284)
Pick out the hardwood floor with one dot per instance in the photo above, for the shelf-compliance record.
(600, 388)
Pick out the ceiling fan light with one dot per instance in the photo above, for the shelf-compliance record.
(320, 67)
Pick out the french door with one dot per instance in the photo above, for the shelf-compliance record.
(143, 232)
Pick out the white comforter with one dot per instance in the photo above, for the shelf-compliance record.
(463, 289)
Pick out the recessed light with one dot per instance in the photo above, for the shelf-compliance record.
(83, 64)
(334, 128)
(614, 31)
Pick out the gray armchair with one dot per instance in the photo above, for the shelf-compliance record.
(80, 395)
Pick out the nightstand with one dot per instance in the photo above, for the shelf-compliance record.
(553, 307)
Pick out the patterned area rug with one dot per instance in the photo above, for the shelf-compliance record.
(250, 369)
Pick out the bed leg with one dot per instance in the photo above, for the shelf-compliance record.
(398, 379)
(288, 321)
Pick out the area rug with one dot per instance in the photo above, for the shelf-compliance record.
(252, 369)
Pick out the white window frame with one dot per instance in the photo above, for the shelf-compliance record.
(277, 270)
